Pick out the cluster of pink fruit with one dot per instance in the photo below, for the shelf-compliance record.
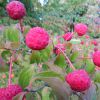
(37, 39)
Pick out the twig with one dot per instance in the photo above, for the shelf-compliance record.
(71, 65)
(10, 71)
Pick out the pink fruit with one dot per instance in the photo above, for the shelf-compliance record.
(96, 58)
(57, 50)
(9, 92)
(95, 49)
(82, 43)
(67, 36)
(14, 90)
(78, 80)
(95, 43)
(81, 29)
(16, 10)
(4, 98)
(5, 95)
(37, 38)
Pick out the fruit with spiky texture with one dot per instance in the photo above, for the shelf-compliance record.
(16, 10)
(96, 58)
(78, 80)
(81, 29)
(67, 36)
(37, 38)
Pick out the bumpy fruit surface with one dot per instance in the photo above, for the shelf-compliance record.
(81, 29)
(78, 80)
(37, 38)
(96, 58)
(57, 50)
(5, 95)
(67, 36)
(14, 90)
(16, 10)
(4, 98)
(9, 92)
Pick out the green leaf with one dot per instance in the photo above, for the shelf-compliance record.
(74, 56)
(40, 56)
(35, 57)
(97, 76)
(46, 93)
(60, 61)
(60, 88)
(25, 76)
(49, 74)
(11, 34)
(90, 68)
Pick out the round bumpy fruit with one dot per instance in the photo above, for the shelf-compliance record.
(67, 36)
(16, 10)
(9, 92)
(58, 47)
(14, 90)
(81, 29)
(96, 58)
(37, 38)
(78, 80)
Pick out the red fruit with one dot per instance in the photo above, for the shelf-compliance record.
(13, 90)
(81, 29)
(5, 98)
(96, 58)
(82, 42)
(37, 38)
(95, 49)
(67, 36)
(57, 50)
(78, 80)
(5, 95)
(95, 43)
(16, 10)
(9, 92)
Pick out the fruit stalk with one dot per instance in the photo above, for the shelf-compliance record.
(71, 65)
(21, 26)
(10, 71)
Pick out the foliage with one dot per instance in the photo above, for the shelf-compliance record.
(42, 73)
